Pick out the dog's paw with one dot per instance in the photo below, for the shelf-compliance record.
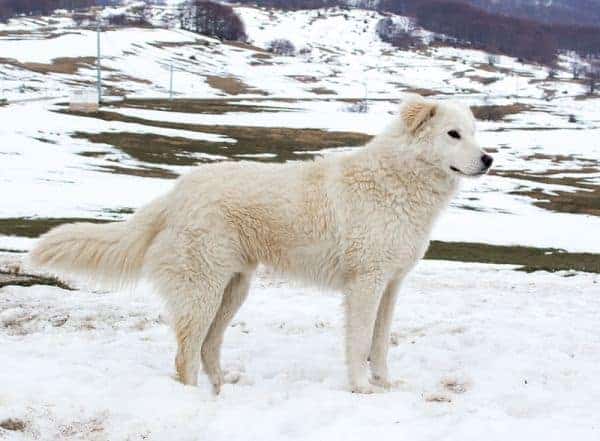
(386, 383)
(368, 388)
(232, 377)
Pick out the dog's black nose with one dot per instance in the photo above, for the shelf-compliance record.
(487, 160)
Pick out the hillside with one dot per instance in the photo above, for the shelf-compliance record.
(572, 12)
(495, 334)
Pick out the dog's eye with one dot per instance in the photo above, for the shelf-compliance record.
(454, 134)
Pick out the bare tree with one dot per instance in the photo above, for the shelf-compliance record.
(576, 69)
(212, 19)
(281, 46)
(397, 34)
(492, 59)
(593, 75)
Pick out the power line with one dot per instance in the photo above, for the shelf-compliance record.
(98, 65)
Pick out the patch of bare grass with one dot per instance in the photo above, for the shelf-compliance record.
(583, 198)
(281, 142)
(202, 106)
(63, 65)
(34, 227)
(13, 424)
(9, 278)
(498, 112)
(483, 80)
(529, 258)
(322, 91)
(232, 85)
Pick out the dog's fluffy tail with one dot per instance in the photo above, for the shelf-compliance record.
(111, 254)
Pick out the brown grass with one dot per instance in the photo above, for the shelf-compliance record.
(529, 258)
(34, 227)
(203, 106)
(497, 112)
(20, 279)
(578, 202)
(142, 171)
(13, 424)
(496, 69)
(304, 78)
(64, 65)
(423, 92)
(483, 80)
(584, 198)
(282, 142)
(232, 85)
(242, 45)
(322, 91)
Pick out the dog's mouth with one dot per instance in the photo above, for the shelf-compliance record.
(460, 172)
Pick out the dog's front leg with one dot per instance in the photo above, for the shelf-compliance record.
(363, 296)
(381, 334)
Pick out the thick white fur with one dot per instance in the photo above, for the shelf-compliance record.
(355, 222)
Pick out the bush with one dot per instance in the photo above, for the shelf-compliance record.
(281, 46)
(136, 16)
(212, 19)
(361, 106)
(11, 8)
(397, 35)
(492, 59)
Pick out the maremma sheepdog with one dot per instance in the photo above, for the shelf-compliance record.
(353, 222)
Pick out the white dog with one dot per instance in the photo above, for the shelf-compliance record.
(355, 222)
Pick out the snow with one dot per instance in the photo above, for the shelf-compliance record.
(484, 352)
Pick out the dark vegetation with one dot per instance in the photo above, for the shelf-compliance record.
(13, 424)
(498, 112)
(33, 227)
(212, 19)
(281, 46)
(518, 37)
(503, 27)
(572, 12)
(467, 25)
(282, 143)
(531, 259)
(20, 279)
(10, 8)
(398, 36)
(136, 15)
(204, 106)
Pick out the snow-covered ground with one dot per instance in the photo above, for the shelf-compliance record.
(485, 353)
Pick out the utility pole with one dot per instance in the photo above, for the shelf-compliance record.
(98, 66)
(171, 81)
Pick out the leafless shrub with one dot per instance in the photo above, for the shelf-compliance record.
(281, 46)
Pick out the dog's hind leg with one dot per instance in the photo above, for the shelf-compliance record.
(193, 290)
(234, 296)
(192, 315)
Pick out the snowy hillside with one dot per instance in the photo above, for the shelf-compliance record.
(53, 57)
(502, 343)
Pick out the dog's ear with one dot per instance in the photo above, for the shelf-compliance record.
(416, 112)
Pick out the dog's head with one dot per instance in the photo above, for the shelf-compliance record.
(444, 132)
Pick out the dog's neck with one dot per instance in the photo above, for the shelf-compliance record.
(409, 175)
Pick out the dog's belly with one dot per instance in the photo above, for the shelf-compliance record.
(316, 264)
